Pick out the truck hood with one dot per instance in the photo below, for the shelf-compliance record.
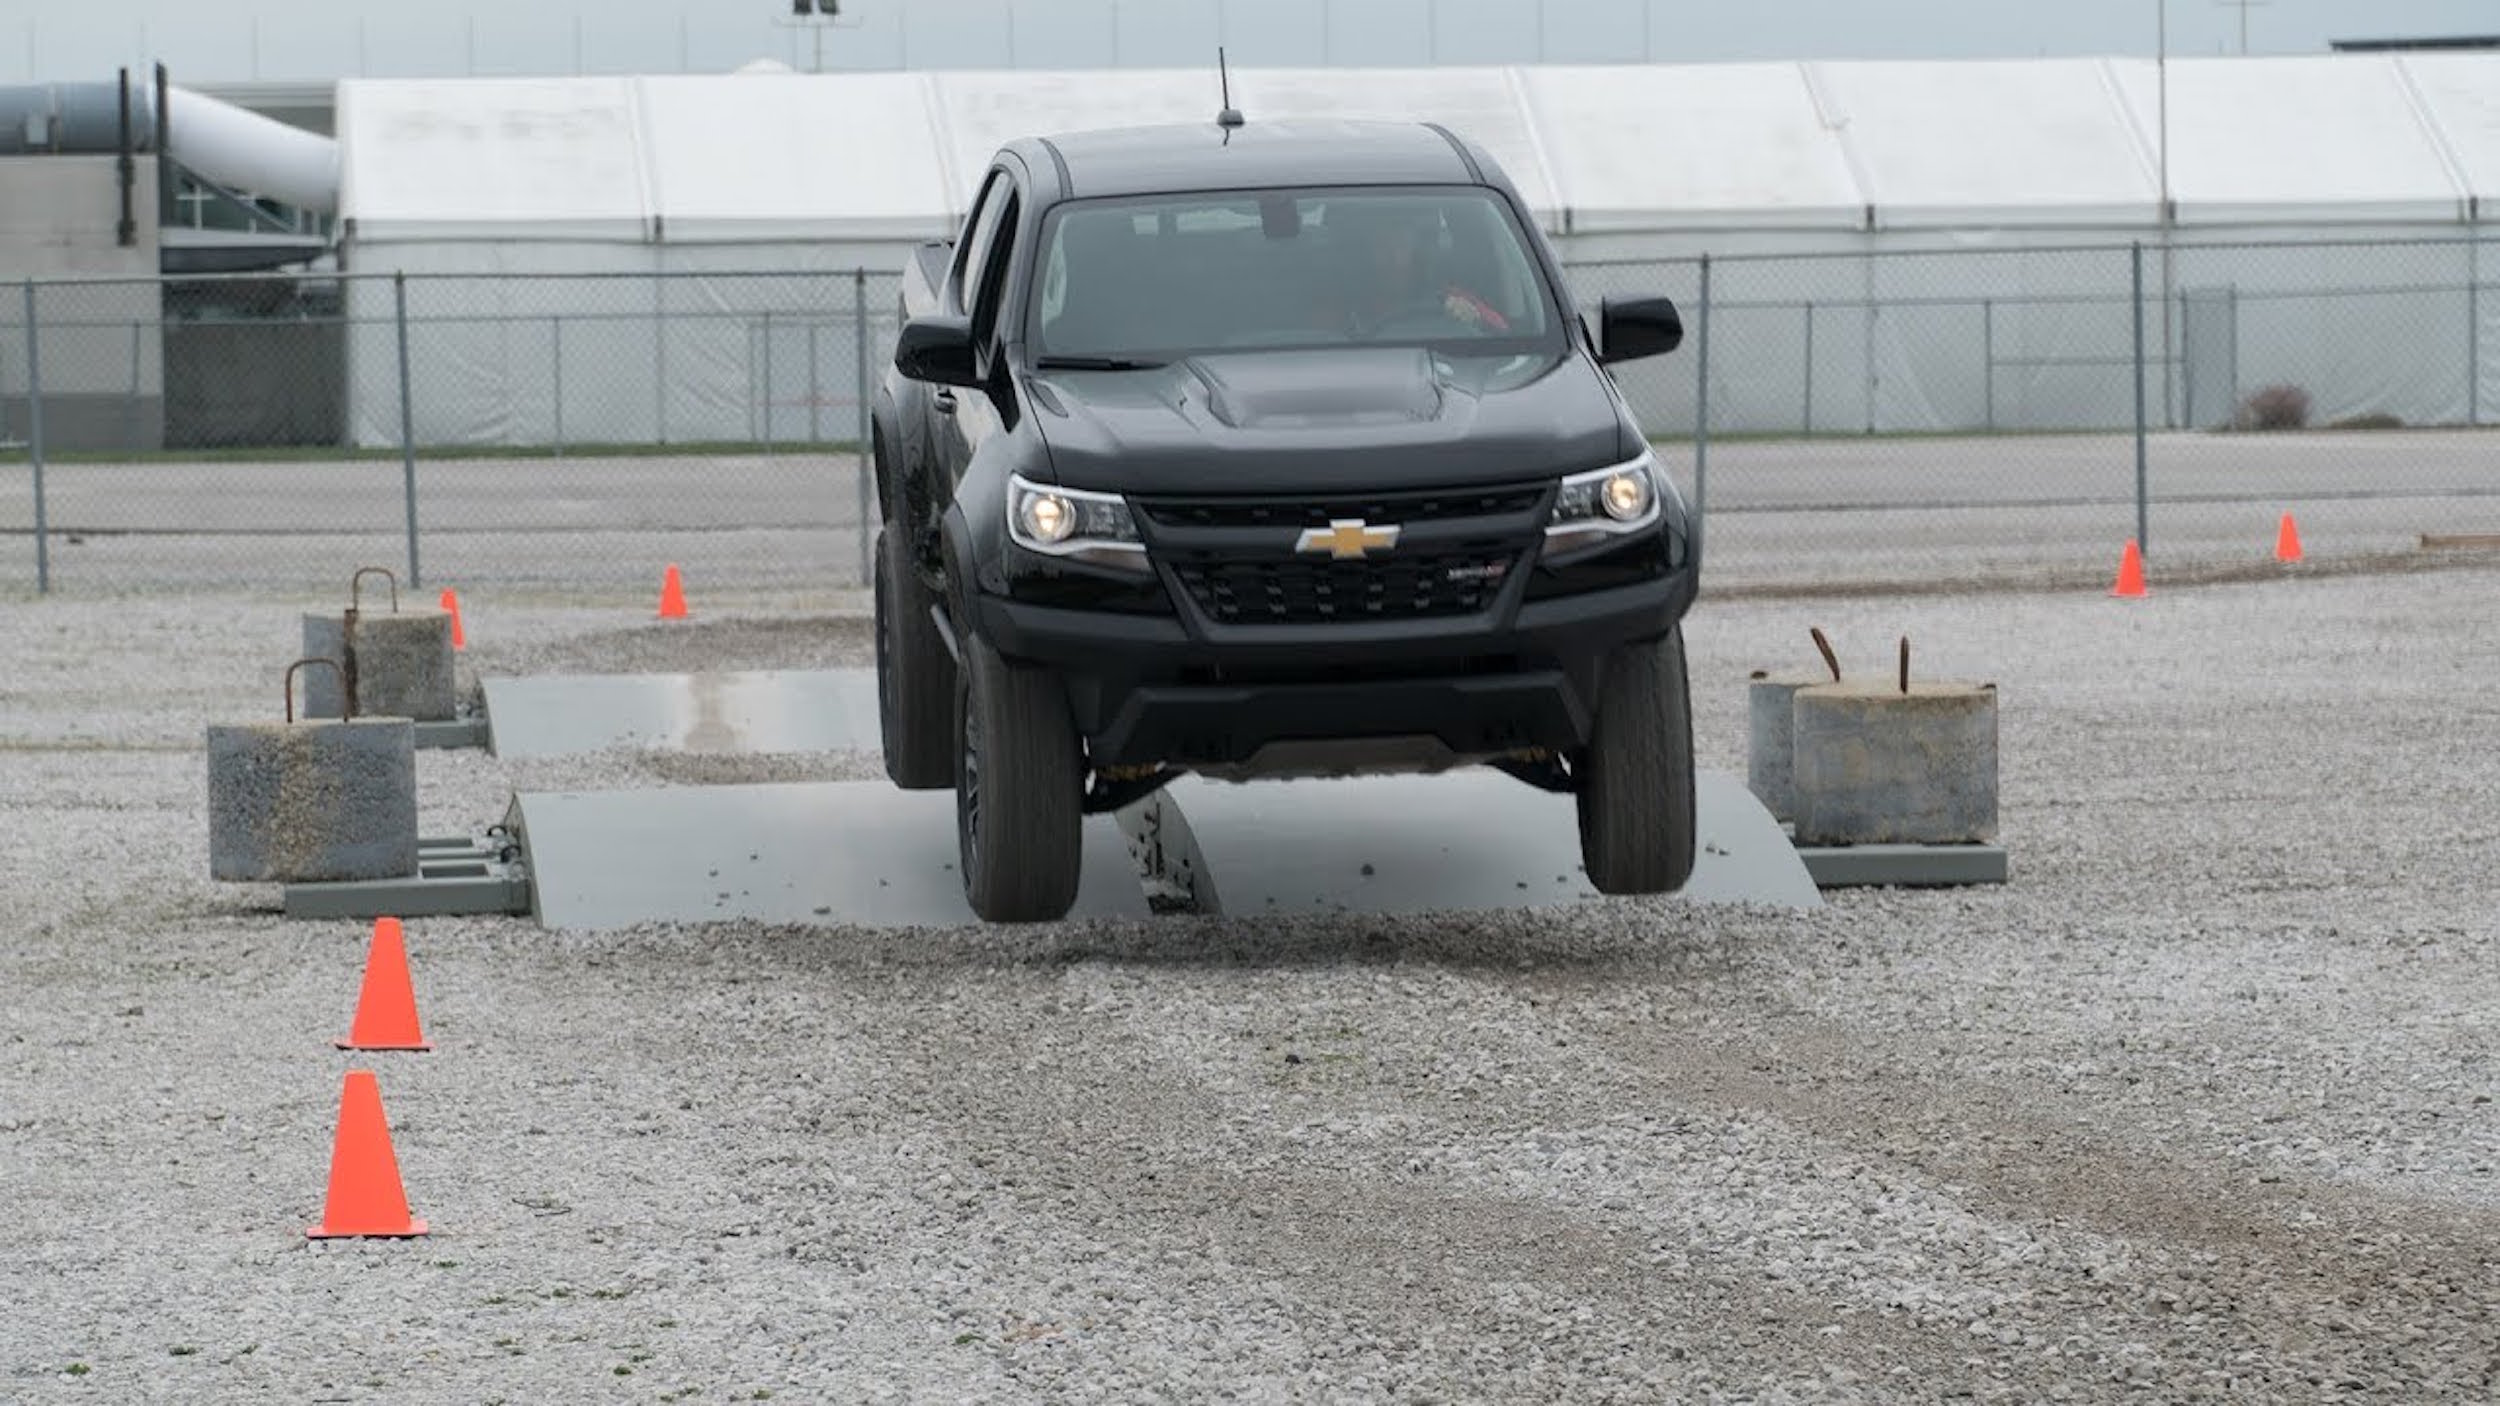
(1324, 421)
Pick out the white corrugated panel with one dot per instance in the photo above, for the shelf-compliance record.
(505, 158)
(767, 158)
(1991, 144)
(2293, 141)
(2461, 92)
(983, 111)
(1641, 148)
(1481, 104)
(979, 112)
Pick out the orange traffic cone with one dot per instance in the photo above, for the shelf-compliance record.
(672, 595)
(2287, 540)
(366, 1198)
(451, 602)
(2130, 573)
(386, 1011)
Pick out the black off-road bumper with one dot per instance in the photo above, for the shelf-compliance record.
(1144, 690)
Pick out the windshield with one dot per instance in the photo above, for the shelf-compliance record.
(1160, 277)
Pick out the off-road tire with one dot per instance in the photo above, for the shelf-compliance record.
(915, 674)
(1019, 790)
(1636, 775)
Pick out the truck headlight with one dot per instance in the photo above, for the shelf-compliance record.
(1603, 503)
(1072, 523)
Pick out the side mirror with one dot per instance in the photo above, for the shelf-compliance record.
(936, 349)
(1632, 328)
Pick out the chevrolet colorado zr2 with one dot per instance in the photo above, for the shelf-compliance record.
(1274, 449)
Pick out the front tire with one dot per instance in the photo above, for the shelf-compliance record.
(1636, 774)
(915, 674)
(1019, 790)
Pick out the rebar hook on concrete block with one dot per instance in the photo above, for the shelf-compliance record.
(1831, 661)
(355, 587)
(347, 701)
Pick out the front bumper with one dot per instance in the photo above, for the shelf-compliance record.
(1150, 690)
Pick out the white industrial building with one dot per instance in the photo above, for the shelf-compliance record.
(2385, 167)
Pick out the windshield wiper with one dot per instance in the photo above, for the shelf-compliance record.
(1095, 363)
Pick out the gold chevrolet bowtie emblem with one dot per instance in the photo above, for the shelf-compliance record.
(1347, 539)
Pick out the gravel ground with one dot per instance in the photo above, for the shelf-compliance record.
(2198, 1108)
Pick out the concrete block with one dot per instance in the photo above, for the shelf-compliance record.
(402, 665)
(1875, 765)
(311, 802)
(1770, 758)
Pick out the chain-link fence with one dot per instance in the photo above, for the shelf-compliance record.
(1933, 416)
(540, 433)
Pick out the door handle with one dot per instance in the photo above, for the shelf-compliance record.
(944, 401)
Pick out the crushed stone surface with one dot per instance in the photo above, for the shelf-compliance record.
(2199, 1107)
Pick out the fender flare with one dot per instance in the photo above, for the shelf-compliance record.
(885, 445)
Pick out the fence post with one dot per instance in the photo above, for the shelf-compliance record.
(130, 407)
(862, 424)
(555, 336)
(2474, 332)
(1809, 370)
(2143, 516)
(2231, 304)
(2187, 364)
(768, 382)
(815, 388)
(407, 422)
(1988, 356)
(659, 357)
(34, 443)
(1701, 417)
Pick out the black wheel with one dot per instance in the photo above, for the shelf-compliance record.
(915, 674)
(1636, 775)
(1019, 790)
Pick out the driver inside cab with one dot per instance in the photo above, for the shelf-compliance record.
(1392, 276)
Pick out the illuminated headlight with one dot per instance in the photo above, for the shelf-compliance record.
(1070, 522)
(1603, 503)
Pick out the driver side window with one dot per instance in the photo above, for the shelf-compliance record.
(992, 279)
(980, 231)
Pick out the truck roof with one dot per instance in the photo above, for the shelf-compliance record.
(1154, 160)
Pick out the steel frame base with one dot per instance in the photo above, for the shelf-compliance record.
(1901, 866)
(462, 875)
(458, 732)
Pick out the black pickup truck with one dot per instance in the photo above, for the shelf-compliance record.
(1270, 449)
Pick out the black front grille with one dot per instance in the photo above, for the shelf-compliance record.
(1295, 514)
(1293, 591)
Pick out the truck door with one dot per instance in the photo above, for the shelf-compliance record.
(966, 418)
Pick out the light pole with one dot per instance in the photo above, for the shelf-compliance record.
(2161, 67)
(814, 16)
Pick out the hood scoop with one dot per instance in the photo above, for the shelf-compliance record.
(1316, 390)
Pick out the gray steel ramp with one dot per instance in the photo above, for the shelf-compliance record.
(851, 852)
(1470, 840)
(865, 853)
(820, 710)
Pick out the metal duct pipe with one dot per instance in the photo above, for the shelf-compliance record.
(224, 143)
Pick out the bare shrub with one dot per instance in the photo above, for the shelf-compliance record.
(2273, 408)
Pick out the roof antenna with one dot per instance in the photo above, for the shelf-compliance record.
(1231, 115)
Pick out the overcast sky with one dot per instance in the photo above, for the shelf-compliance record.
(319, 40)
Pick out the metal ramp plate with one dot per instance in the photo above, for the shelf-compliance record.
(852, 852)
(1470, 840)
(864, 853)
(824, 710)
